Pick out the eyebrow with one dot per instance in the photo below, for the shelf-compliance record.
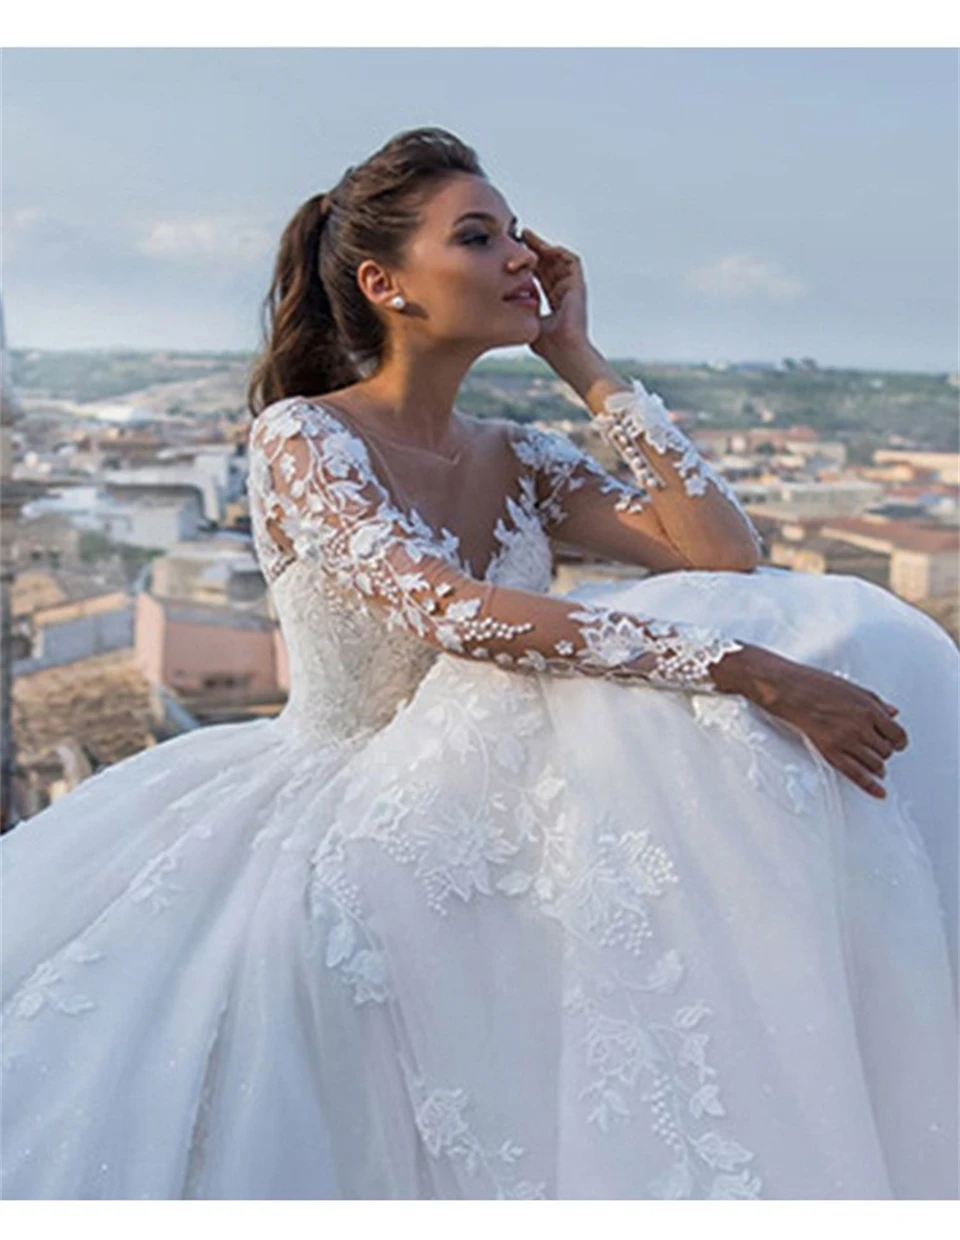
(480, 215)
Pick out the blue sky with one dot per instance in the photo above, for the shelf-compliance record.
(727, 203)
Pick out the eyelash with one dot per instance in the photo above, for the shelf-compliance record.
(486, 237)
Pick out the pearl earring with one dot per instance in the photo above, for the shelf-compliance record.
(397, 302)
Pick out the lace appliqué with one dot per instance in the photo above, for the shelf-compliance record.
(680, 1088)
(628, 417)
(151, 887)
(315, 480)
(798, 784)
(335, 905)
(515, 837)
(46, 988)
(566, 468)
(441, 1122)
(614, 640)
(42, 988)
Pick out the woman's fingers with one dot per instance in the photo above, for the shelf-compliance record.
(848, 765)
(882, 744)
(547, 254)
(867, 756)
(552, 257)
(885, 723)
(891, 730)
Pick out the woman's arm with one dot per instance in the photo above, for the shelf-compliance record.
(695, 505)
(705, 523)
(312, 484)
(584, 505)
(321, 500)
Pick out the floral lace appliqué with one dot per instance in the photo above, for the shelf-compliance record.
(441, 1121)
(631, 417)
(313, 482)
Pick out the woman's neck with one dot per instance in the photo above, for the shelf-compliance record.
(414, 399)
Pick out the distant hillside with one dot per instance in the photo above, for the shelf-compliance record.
(865, 408)
(107, 374)
(923, 407)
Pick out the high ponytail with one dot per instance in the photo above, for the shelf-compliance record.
(320, 331)
(304, 355)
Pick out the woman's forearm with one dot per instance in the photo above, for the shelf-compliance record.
(706, 523)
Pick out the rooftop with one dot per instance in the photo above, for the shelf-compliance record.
(901, 535)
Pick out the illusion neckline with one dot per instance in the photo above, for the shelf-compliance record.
(396, 443)
(445, 542)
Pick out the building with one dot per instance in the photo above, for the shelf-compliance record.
(15, 493)
(817, 554)
(937, 466)
(140, 515)
(811, 500)
(72, 630)
(924, 559)
(780, 438)
(205, 628)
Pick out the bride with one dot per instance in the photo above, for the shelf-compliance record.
(643, 891)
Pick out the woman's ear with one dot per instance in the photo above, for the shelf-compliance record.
(375, 283)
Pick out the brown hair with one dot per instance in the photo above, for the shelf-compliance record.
(320, 331)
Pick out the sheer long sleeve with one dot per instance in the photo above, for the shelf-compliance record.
(323, 502)
(637, 417)
(586, 506)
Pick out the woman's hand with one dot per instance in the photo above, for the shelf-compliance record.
(851, 726)
(560, 274)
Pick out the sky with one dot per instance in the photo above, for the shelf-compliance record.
(738, 204)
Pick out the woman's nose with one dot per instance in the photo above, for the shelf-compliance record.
(525, 253)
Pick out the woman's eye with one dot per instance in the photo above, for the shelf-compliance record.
(485, 237)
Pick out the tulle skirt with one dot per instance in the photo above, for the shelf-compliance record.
(537, 937)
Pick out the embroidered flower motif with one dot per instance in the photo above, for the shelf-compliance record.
(313, 481)
(799, 784)
(152, 883)
(43, 988)
(440, 1120)
(631, 416)
(625, 1052)
(510, 838)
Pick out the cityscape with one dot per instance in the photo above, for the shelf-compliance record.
(134, 605)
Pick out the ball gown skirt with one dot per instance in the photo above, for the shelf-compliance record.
(536, 937)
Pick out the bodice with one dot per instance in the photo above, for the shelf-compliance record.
(369, 594)
(350, 671)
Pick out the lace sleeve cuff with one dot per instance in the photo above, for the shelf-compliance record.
(668, 654)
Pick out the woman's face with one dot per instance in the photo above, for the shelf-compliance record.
(460, 264)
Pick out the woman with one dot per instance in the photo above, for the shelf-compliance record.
(605, 895)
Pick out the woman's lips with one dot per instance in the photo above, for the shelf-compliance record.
(525, 299)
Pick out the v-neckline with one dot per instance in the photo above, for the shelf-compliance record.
(407, 447)
(446, 540)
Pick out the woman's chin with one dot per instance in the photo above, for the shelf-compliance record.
(521, 334)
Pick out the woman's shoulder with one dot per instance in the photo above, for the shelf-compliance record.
(540, 447)
(291, 415)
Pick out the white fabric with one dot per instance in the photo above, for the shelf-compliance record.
(453, 929)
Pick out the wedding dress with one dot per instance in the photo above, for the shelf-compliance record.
(509, 901)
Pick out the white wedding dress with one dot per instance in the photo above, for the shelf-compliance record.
(487, 910)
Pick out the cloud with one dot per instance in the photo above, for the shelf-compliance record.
(742, 277)
(216, 238)
(27, 229)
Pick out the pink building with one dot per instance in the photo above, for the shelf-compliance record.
(211, 655)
